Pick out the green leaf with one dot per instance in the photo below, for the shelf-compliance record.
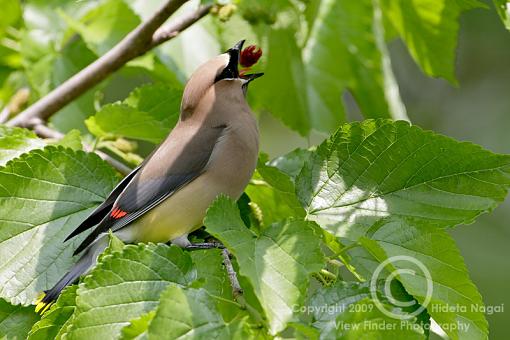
(292, 162)
(209, 266)
(452, 300)
(105, 25)
(15, 141)
(114, 245)
(503, 8)
(429, 28)
(73, 57)
(11, 12)
(346, 49)
(125, 285)
(188, 313)
(285, 74)
(72, 140)
(274, 193)
(16, 321)
(44, 195)
(57, 318)
(137, 328)
(364, 320)
(278, 262)
(368, 171)
(339, 301)
(148, 114)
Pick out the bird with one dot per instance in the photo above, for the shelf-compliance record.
(212, 150)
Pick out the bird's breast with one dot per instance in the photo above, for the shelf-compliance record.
(228, 171)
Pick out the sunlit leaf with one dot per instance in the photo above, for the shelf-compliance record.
(16, 141)
(44, 195)
(368, 171)
(125, 285)
(503, 8)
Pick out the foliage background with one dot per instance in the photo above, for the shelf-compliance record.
(477, 110)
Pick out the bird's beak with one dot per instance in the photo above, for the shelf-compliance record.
(234, 53)
(249, 77)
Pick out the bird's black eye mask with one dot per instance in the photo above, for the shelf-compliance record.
(231, 70)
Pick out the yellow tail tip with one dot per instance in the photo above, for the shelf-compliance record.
(40, 306)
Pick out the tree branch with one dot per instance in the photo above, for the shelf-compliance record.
(46, 132)
(142, 39)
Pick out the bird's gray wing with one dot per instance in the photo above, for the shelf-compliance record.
(176, 163)
(104, 208)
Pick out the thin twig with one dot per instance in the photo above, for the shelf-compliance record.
(142, 39)
(173, 28)
(237, 291)
(46, 132)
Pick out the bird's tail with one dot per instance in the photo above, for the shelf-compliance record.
(84, 264)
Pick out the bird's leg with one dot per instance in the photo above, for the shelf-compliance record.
(237, 291)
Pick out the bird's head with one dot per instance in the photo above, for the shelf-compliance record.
(222, 68)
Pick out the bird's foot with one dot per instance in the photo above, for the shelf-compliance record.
(204, 245)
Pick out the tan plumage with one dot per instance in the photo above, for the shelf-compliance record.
(211, 151)
(228, 171)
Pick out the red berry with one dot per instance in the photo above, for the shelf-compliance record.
(250, 55)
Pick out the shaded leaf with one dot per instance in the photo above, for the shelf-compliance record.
(365, 320)
(209, 266)
(292, 162)
(429, 28)
(274, 194)
(285, 74)
(346, 49)
(16, 321)
(328, 304)
(453, 300)
(188, 313)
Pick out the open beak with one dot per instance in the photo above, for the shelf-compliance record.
(249, 77)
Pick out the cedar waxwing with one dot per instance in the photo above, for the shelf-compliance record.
(212, 150)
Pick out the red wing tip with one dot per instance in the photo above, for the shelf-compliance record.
(118, 213)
